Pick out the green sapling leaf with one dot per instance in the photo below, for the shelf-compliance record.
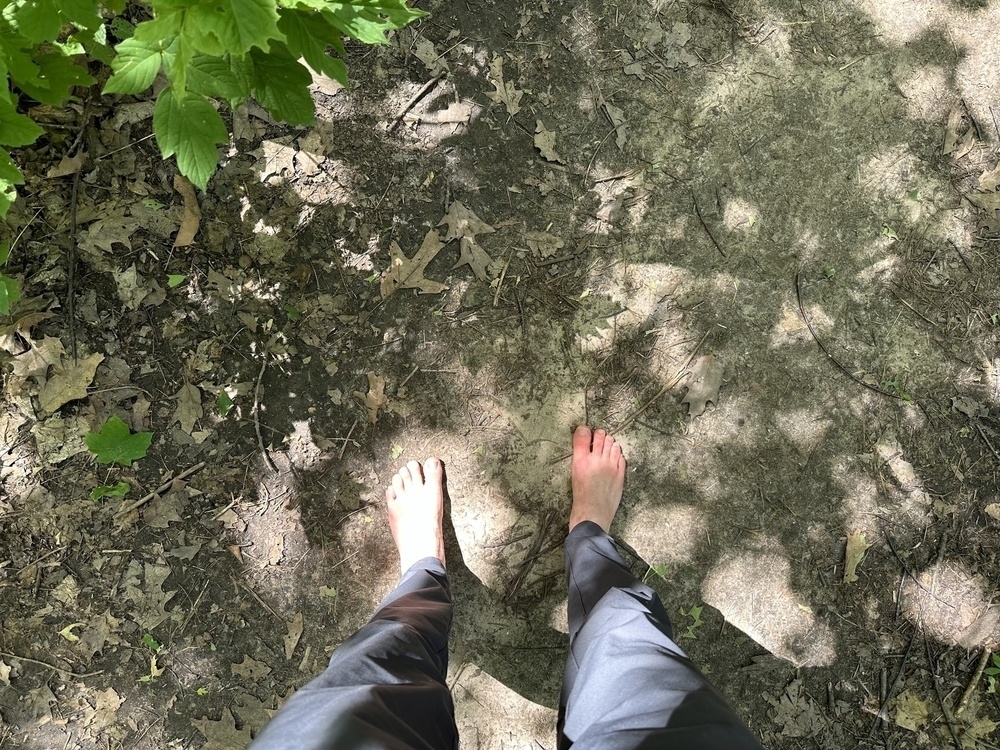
(224, 403)
(281, 85)
(175, 279)
(10, 292)
(151, 643)
(187, 125)
(110, 490)
(231, 25)
(115, 443)
(136, 64)
(16, 129)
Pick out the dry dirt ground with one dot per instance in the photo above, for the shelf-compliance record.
(760, 239)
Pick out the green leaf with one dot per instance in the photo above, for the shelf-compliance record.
(214, 76)
(151, 643)
(38, 20)
(188, 125)
(136, 65)
(115, 443)
(110, 490)
(56, 75)
(175, 279)
(281, 85)
(232, 26)
(4, 252)
(369, 20)
(10, 176)
(224, 403)
(308, 35)
(10, 292)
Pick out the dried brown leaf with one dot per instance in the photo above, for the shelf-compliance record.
(408, 273)
(68, 382)
(191, 216)
(857, 545)
(545, 142)
(291, 640)
(375, 398)
(505, 92)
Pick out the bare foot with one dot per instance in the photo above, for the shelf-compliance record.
(415, 502)
(598, 475)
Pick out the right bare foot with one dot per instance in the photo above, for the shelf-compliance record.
(598, 476)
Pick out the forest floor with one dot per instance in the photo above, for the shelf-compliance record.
(760, 239)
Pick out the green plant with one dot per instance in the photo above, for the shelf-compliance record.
(991, 674)
(895, 385)
(116, 443)
(695, 614)
(110, 490)
(207, 52)
(10, 290)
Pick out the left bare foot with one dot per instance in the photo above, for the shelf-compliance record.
(415, 502)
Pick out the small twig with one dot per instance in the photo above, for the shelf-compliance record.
(71, 264)
(190, 613)
(407, 378)
(848, 373)
(704, 226)
(914, 310)
(883, 713)
(260, 601)
(67, 672)
(413, 100)
(162, 488)
(984, 659)
(347, 439)
(940, 697)
(256, 417)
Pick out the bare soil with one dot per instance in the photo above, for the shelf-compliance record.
(754, 237)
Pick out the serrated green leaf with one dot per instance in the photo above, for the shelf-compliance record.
(110, 490)
(87, 13)
(224, 403)
(307, 36)
(281, 85)
(151, 643)
(38, 20)
(187, 125)
(232, 26)
(10, 292)
(16, 129)
(115, 443)
(215, 77)
(370, 20)
(136, 64)
(17, 60)
(56, 75)
(10, 176)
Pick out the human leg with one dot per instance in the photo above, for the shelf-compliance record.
(385, 686)
(627, 683)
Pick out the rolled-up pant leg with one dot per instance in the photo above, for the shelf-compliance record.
(385, 686)
(627, 683)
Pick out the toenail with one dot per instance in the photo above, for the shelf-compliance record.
(432, 463)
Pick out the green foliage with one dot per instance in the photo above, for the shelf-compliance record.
(151, 643)
(991, 674)
(110, 490)
(10, 290)
(115, 443)
(695, 614)
(209, 53)
(224, 403)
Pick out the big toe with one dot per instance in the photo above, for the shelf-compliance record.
(581, 439)
(433, 471)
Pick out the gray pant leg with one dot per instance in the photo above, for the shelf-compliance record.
(628, 685)
(385, 686)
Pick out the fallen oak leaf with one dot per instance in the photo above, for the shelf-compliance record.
(464, 225)
(475, 257)
(375, 398)
(506, 92)
(987, 201)
(857, 545)
(35, 362)
(990, 179)
(189, 408)
(705, 383)
(191, 216)
(69, 382)
(545, 142)
(408, 273)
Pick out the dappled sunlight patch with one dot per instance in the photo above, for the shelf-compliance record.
(792, 329)
(862, 503)
(913, 502)
(665, 533)
(734, 421)
(485, 707)
(902, 21)
(752, 589)
(739, 214)
(953, 605)
(929, 95)
(805, 428)
(882, 271)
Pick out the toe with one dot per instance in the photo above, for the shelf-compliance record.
(397, 485)
(599, 437)
(581, 439)
(609, 445)
(416, 475)
(433, 470)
